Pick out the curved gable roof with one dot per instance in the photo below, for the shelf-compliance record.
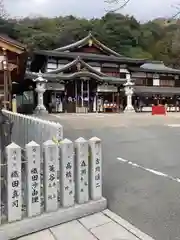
(63, 77)
(74, 63)
(85, 41)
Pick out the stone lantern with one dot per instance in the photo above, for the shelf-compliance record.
(128, 87)
(40, 89)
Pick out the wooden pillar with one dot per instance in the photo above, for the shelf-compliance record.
(117, 100)
(97, 102)
(76, 97)
(10, 89)
(88, 93)
(82, 91)
(113, 101)
(6, 79)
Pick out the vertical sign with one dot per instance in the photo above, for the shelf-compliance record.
(59, 132)
(50, 175)
(81, 170)
(95, 168)
(33, 179)
(67, 173)
(14, 193)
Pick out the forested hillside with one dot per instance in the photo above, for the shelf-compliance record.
(158, 39)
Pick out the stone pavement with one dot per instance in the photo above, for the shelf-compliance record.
(105, 225)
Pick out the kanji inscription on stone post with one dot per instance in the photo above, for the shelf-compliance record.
(14, 194)
(33, 179)
(50, 175)
(67, 173)
(95, 168)
(81, 176)
(59, 132)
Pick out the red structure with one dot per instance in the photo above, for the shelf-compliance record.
(159, 110)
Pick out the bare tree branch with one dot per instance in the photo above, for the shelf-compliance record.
(120, 4)
(177, 7)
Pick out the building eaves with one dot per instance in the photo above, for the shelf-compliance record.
(90, 56)
(6, 38)
(65, 77)
(156, 90)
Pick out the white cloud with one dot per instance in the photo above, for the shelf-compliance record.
(141, 9)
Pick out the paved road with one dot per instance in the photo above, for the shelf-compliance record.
(150, 200)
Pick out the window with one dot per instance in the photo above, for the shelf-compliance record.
(167, 83)
(140, 81)
(114, 72)
(122, 75)
(156, 82)
(149, 82)
(177, 83)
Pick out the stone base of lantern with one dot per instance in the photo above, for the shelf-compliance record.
(40, 110)
(129, 109)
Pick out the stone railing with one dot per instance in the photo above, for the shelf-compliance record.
(67, 186)
(28, 128)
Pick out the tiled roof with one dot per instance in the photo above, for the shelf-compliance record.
(14, 42)
(157, 90)
(89, 56)
(156, 67)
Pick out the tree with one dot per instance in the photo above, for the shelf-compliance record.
(124, 34)
(3, 13)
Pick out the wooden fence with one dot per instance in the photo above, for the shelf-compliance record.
(41, 191)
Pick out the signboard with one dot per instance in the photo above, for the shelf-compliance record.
(55, 86)
(106, 88)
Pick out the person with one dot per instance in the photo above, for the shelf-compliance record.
(141, 105)
(50, 107)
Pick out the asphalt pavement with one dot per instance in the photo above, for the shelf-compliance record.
(143, 188)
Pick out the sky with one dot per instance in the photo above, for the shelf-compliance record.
(143, 10)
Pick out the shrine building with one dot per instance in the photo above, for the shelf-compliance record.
(87, 76)
(13, 58)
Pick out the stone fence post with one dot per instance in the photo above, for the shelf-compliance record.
(14, 183)
(81, 170)
(51, 165)
(67, 173)
(95, 168)
(33, 179)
